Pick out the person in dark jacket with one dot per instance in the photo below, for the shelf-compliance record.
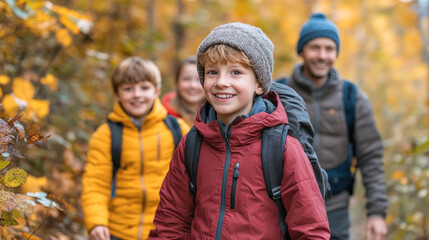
(235, 63)
(321, 87)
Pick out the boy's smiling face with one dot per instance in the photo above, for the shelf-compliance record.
(230, 89)
(137, 99)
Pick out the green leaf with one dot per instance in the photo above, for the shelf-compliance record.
(6, 219)
(422, 147)
(3, 164)
(15, 177)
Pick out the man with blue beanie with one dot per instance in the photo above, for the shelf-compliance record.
(346, 137)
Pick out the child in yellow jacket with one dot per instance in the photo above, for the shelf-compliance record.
(147, 148)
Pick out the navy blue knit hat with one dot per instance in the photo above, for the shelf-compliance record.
(318, 26)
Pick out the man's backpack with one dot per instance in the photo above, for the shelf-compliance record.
(116, 147)
(342, 177)
(273, 143)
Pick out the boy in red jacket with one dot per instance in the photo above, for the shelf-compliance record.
(235, 63)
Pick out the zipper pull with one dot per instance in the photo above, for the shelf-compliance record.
(236, 172)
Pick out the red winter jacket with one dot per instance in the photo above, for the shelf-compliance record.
(248, 213)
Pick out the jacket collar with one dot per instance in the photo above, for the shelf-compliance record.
(157, 113)
(266, 112)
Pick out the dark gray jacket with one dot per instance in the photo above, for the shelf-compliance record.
(325, 107)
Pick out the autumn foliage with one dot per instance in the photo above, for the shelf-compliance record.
(56, 58)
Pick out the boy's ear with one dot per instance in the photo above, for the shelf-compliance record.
(116, 96)
(157, 92)
(259, 89)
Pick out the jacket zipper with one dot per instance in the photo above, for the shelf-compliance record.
(235, 176)
(159, 147)
(140, 229)
(224, 180)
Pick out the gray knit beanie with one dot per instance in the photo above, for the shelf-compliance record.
(248, 39)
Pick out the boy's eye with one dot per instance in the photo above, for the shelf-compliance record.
(144, 87)
(236, 72)
(211, 72)
(127, 89)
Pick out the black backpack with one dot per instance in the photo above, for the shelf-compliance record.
(116, 147)
(273, 143)
(342, 177)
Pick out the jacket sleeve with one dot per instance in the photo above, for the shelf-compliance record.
(369, 153)
(175, 211)
(306, 215)
(97, 179)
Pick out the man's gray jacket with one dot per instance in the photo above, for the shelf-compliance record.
(326, 110)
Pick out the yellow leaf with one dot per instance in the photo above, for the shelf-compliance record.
(51, 81)
(40, 107)
(1, 92)
(4, 79)
(30, 236)
(9, 105)
(398, 175)
(69, 24)
(15, 177)
(3, 164)
(23, 89)
(64, 37)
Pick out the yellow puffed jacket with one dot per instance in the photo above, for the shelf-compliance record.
(145, 159)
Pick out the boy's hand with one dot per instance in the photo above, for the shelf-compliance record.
(99, 233)
(376, 228)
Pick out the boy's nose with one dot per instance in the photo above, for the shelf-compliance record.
(222, 81)
(138, 92)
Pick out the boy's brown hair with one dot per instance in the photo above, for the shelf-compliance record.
(133, 70)
(251, 41)
(221, 53)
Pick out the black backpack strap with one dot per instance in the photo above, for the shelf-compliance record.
(273, 146)
(174, 127)
(192, 155)
(349, 101)
(116, 147)
(301, 129)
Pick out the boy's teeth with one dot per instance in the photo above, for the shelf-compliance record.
(224, 96)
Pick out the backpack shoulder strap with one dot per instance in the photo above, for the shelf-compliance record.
(302, 130)
(192, 155)
(273, 146)
(116, 148)
(174, 127)
(349, 101)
